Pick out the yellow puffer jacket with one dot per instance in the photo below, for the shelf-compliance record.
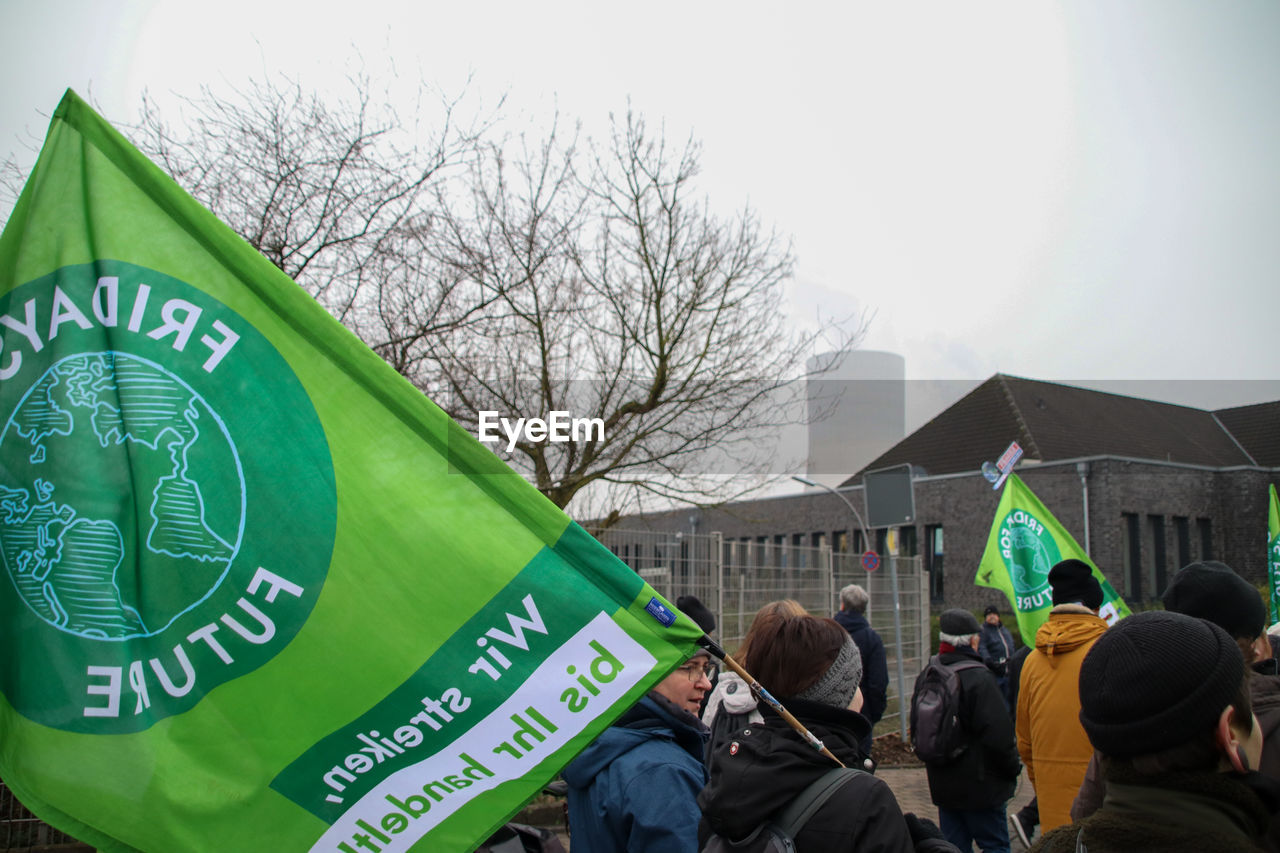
(1051, 740)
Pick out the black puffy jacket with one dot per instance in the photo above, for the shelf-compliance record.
(755, 774)
(986, 773)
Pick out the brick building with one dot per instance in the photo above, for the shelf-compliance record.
(1148, 486)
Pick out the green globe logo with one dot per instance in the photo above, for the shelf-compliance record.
(116, 415)
(1029, 552)
(167, 498)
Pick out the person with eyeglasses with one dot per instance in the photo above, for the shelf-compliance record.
(635, 787)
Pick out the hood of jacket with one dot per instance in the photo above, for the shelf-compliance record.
(850, 621)
(766, 766)
(1069, 627)
(731, 695)
(1264, 692)
(653, 717)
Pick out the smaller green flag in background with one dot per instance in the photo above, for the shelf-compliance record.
(1273, 554)
(1025, 542)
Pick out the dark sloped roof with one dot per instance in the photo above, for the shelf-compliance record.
(1053, 421)
(1257, 428)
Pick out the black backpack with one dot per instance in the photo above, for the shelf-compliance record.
(778, 835)
(936, 734)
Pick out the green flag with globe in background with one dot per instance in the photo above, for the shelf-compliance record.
(258, 592)
(1025, 542)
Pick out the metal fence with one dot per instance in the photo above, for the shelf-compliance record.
(735, 578)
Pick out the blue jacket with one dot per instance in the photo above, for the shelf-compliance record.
(875, 669)
(996, 647)
(635, 788)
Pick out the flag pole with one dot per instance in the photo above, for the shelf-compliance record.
(758, 690)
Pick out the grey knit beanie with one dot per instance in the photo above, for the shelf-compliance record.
(838, 684)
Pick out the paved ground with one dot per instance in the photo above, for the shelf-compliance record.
(911, 787)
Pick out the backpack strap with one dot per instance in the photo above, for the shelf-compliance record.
(799, 810)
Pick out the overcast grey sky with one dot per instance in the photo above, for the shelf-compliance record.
(1060, 190)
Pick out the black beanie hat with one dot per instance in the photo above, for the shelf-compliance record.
(1211, 590)
(697, 611)
(1073, 580)
(958, 623)
(1155, 680)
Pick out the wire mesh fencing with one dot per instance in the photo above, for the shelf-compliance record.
(735, 578)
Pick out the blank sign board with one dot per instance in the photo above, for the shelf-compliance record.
(890, 497)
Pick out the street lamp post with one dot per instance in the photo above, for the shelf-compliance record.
(897, 607)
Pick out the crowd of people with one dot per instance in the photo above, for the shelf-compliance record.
(1161, 732)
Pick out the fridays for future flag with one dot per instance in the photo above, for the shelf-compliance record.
(259, 593)
(1273, 554)
(1025, 542)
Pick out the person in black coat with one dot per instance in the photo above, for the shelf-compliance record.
(996, 647)
(875, 667)
(971, 790)
(812, 666)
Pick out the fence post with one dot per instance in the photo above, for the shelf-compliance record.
(717, 544)
(827, 557)
(925, 613)
(897, 637)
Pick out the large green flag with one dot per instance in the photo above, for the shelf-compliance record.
(260, 593)
(1273, 554)
(1025, 542)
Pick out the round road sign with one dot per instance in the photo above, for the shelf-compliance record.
(871, 561)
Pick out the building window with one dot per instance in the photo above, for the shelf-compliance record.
(933, 562)
(1182, 528)
(907, 544)
(1131, 552)
(1155, 524)
(841, 539)
(1205, 526)
(818, 540)
(798, 554)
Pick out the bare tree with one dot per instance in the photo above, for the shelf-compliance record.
(334, 193)
(518, 274)
(623, 299)
(12, 177)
